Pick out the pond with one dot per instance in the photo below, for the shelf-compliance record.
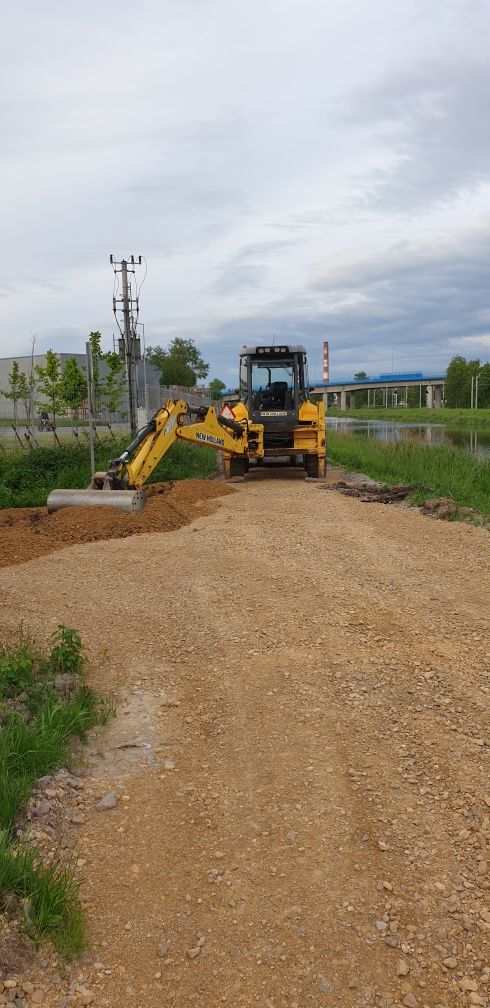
(466, 438)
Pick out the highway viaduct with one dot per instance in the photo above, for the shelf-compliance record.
(346, 390)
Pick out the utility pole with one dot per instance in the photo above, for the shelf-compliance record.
(126, 311)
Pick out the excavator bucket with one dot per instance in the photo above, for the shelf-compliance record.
(128, 501)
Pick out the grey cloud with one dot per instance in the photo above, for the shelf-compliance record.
(248, 267)
(433, 122)
(174, 193)
(418, 303)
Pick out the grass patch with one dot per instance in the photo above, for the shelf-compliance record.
(26, 478)
(46, 709)
(48, 894)
(448, 417)
(441, 471)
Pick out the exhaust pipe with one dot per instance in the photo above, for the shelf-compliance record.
(127, 501)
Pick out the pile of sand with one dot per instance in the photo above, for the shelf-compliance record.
(26, 533)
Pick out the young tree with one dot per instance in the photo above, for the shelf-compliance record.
(18, 388)
(457, 383)
(182, 364)
(28, 393)
(49, 381)
(216, 388)
(414, 397)
(361, 397)
(73, 386)
(94, 340)
(113, 385)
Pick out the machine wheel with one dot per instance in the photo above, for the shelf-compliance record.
(315, 466)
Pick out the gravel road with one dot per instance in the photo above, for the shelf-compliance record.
(300, 757)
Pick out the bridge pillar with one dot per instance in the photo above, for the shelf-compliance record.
(437, 396)
(343, 400)
(430, 397)
(352, 400)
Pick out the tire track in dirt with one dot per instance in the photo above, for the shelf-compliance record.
(314, 826)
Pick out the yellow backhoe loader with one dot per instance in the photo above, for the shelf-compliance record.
(270, 415)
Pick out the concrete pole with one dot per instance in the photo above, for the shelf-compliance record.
(476, 391)
(128, 346)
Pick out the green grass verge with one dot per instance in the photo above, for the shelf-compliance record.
(448, 417)
(42, 718)
(441, 471)
(26, 478)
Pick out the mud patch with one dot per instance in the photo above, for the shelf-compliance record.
(128, 741)
(15, 948)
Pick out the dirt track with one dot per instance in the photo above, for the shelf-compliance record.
(304, 818)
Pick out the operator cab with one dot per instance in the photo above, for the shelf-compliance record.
(273, 384)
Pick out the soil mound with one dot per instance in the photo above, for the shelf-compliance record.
(26, 533)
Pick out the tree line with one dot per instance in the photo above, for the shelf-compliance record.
(61, 388)
(65, 387)
(458, 383)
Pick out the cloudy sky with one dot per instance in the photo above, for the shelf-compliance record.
(299, 168)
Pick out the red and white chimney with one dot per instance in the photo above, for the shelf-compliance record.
(326, 366)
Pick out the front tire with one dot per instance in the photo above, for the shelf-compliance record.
(315, 466)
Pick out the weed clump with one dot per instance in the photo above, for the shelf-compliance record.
(46, 708)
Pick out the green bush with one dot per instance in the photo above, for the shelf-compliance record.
(26, 478)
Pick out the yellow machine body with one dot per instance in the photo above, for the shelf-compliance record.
(308, 437)
(234, 432)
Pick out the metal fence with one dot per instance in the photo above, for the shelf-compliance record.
(69, 429)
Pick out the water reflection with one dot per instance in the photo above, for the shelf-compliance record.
(467, 439)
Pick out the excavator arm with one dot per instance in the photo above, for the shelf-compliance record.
(121, 485)
(137, 463)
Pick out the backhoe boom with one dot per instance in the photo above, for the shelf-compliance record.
(121, 485)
